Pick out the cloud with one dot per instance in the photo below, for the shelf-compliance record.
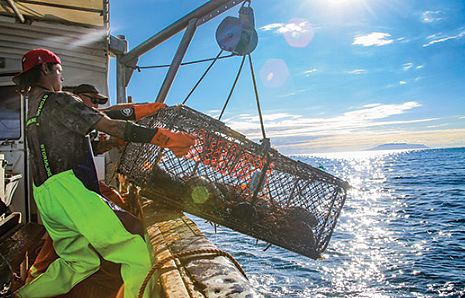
(356, 71)
(431, 16)
(371, 105)
(277, 116)
(407, 66)
(444, 38)
(380, 111)
(438, 125)
(373, 39)
(299, 26)
(273, 26)
(362, 140)
(288, 125)
(298, 32)
(358, 129)
(307, 72)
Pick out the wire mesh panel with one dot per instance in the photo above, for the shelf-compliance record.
(240, 184)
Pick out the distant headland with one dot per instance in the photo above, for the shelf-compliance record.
(398, 146)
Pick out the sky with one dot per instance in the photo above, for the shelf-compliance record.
(332, 75)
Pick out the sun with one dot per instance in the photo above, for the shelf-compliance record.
(341, 2)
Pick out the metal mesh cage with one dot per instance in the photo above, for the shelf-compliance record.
(240, 184)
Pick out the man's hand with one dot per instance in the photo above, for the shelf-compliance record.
(178, 142)
(144, 110)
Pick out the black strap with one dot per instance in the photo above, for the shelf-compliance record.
(35, 120)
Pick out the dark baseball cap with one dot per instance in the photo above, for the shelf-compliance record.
(90, 89)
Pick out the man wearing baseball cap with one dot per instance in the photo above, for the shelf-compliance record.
(81, 223)
(128, 111)
(90, 95)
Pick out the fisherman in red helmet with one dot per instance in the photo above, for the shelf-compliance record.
(83, 225)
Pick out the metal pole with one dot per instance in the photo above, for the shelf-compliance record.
(203, 13)
(182, 49)
(121, 73)
(17, 12)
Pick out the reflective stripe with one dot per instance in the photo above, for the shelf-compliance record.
(39, 109)
(31, 121)
(45, 159)
(41, 105)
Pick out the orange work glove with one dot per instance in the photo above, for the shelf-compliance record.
(143, 110)
(178, 142)
(121, 142)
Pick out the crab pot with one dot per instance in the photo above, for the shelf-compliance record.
(237, 183)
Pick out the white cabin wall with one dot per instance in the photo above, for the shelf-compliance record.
(83, 51)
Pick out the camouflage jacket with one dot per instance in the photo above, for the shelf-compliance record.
(57, 125)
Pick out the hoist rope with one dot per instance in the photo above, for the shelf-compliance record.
(232, 89)
(256, 97)
(262, 126)
(203, 76)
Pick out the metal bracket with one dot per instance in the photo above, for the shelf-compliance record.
(117, 46)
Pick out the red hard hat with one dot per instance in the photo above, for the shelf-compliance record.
(34, 58)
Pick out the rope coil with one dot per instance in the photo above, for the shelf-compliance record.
(212, 251)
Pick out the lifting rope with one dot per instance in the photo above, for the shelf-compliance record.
(262, 126)
(256, 97)
(203, 76)
(232, 89)
(212, 252)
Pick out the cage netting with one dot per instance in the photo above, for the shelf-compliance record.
(235, 182)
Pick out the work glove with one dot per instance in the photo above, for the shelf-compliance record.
(144, 110)
(121, 142)
(178, 142)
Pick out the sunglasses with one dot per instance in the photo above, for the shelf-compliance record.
(96, 100)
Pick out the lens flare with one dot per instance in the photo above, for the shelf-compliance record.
(200, 194)
(298, 33)
(274, 73)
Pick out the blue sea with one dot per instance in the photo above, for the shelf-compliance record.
(401, 232)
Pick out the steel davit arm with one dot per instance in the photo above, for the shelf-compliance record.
(204, 13)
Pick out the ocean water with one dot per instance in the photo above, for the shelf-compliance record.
(401, 232)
